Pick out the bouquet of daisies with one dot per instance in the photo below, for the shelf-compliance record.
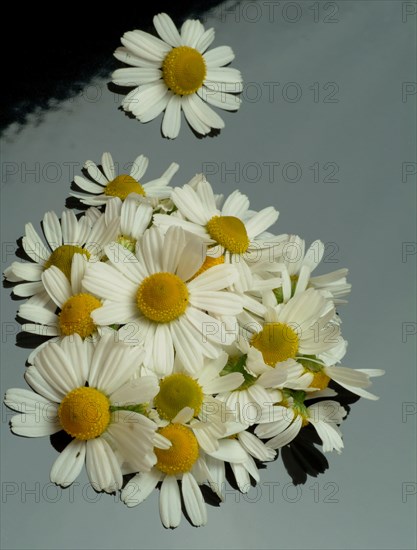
(178, 337)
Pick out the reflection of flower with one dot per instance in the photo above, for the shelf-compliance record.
(99, 416)
(107, 184)
(177, 73)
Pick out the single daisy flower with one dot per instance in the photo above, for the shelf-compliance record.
(105, 183)
(283, 422)
(176, 72)
(87, 391)
(87, 235)
(249, 399)
(190, 399)
(134, 218)
(150, 292)
(304, 325)
(296, 267)
(231, 231)
(74, 306)
(238, 442)
(354, 380)
(181, 462)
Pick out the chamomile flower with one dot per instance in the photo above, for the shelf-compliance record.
(87, 235)
(354, 380)
(87, 391)
(134, 218)
(151, 293)
(231, 231)
(183, 398)
(176, 72)
(249, 399)
(74, 304)
(105, 183)
(283, 422)
(304, 325)
(238, 448)
(296, 267)
(181, 462)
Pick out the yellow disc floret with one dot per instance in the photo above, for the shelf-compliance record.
(182, 454)
(75, 316)
(62, 256)
(207, 264)
(184, 70)
(84, 413)
(230, 232)
(162, 297)
(320, 380)
(277, 342)
(122, 186)
(177, 391)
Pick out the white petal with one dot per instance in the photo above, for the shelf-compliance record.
(102, 466)
(170, 502)
(217, 57)
(167, 30)
(193, 500)
(192, 31)
(171, 123)
(69, 463)
(140, 487)
(57, 285)
(145, 45)
(230, 451)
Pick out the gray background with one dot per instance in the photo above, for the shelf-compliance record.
(365, 217)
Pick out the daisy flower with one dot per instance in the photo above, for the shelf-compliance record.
(134, 218)
(75, 306)
(184, 460)
(105, 183)
(177, 73)
(303, 325)
(64, 238)
(249, 399)
(151, 292)
(238, 448)
(283, 422)
(181, 462)
(190, 399)
(354, 380)
(87, 391)
(296, 267)
(231, 231)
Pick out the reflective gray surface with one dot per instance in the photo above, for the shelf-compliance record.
(327, 98)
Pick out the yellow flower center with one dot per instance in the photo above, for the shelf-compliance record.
(277, 342)
(320, 380)
(122, 186)
(230, 232)
(62, 256)
(162, 297)
(177, 391)
(75, 316)
(183, 453)
(127, 242)
(184, 70)
(84, 413)
(207, 264)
